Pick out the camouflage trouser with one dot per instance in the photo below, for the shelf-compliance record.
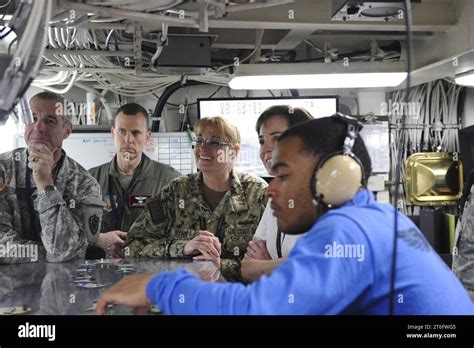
(463, 253)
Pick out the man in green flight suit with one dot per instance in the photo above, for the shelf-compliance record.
(129, 179)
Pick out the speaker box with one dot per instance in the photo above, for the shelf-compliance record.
(433, 178)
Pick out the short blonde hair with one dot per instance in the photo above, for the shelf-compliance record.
(220, 128)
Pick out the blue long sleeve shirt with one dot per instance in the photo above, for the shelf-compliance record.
(341, 266)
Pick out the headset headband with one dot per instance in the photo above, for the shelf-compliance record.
(339, 175)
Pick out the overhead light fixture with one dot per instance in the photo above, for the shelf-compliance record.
(318, 75)
(369, 10)
(465, 79)
(355, 80)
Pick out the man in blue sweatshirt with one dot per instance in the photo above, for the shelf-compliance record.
(341, 266)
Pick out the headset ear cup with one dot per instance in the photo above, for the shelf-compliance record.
(338, 179)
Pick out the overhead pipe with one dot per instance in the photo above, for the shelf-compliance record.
(160, 105)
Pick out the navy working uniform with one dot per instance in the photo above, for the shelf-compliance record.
(176, 215)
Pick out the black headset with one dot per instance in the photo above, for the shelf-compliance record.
(339, 175)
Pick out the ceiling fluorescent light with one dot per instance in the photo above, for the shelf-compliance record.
(317, 75)
(465, 79)
(356, 80)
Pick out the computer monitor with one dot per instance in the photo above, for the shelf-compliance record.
(244, 112)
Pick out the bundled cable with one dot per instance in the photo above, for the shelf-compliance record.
(433, 127)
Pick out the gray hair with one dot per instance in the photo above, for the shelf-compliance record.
(58, 99)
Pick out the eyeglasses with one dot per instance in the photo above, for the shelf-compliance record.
(212, 142)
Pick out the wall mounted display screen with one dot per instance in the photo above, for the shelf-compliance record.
(243, 113)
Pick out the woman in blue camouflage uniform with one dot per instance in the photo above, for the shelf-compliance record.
(209, 215)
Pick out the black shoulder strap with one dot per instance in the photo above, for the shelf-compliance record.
(470, 182)
(465, 193)
(278, 244)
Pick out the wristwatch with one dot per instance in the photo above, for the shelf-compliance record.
(46, 190)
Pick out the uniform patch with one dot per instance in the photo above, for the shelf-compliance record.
(2, 186)
(156, 212)
(94, 224)
(137, 201)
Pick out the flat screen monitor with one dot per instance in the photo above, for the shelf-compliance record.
(243, 113)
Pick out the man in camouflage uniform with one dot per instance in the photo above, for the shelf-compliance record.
(46, 199)
(179, 215)
(463, 253)
(128, 180)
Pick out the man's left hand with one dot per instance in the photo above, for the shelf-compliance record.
(130, 291)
